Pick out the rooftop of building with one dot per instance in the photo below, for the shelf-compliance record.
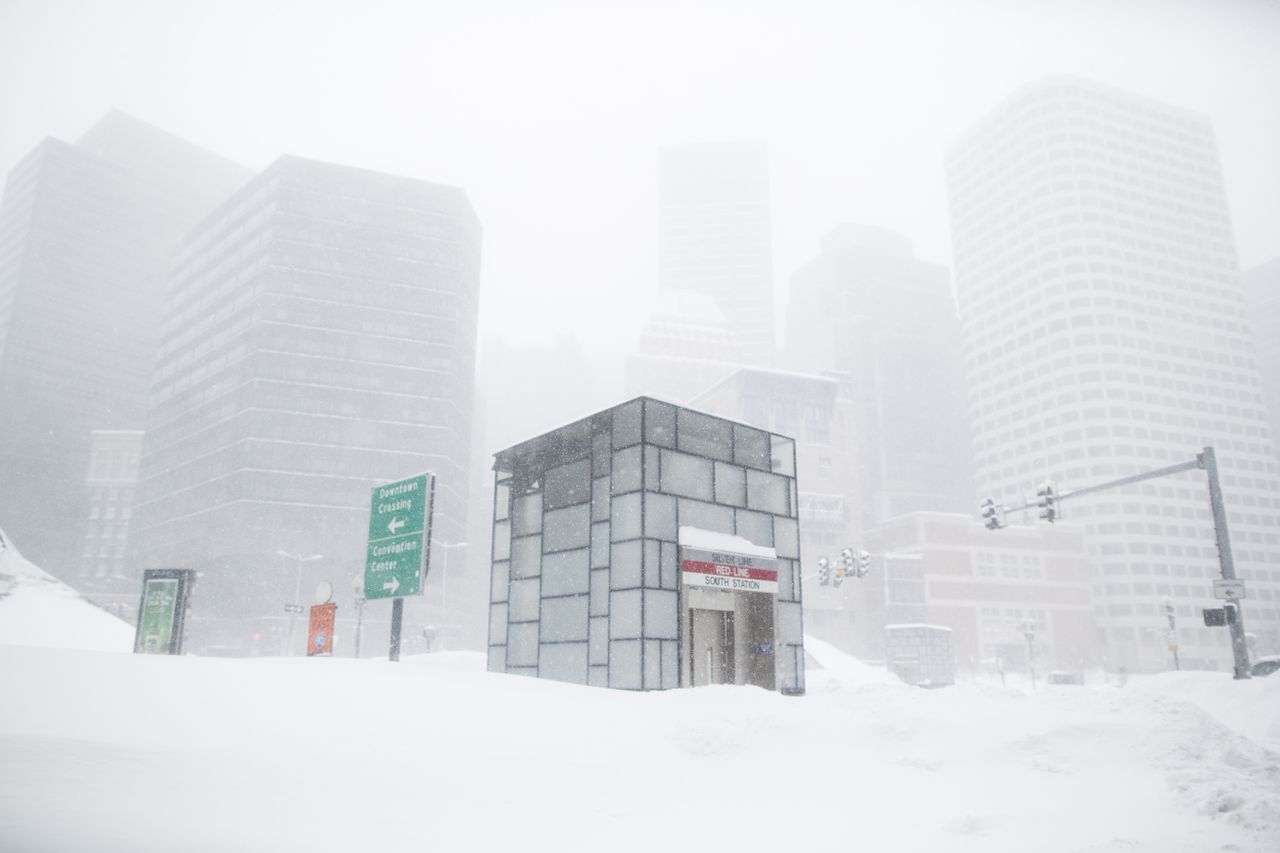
(574, 439)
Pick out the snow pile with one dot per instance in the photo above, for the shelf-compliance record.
(116, 752)
(36, 609)
(130, 752)
(838, 670)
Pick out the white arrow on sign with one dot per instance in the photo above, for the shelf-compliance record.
(396, 524)
(392, 584)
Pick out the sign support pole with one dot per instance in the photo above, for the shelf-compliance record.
(397, 614)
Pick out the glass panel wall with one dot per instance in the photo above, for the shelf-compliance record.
(585, 577)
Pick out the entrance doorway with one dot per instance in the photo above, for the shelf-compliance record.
(712, 645)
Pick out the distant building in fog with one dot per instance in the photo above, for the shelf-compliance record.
(817, 411)
(1262, 290)
(685, 347)
(866, 306)
(85, 234)
(947, 569)
(715, 235)
(105, 576)
(1106, 334)
(319, 338)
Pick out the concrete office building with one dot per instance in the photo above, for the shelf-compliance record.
(715, 235)
(1105, 335)
(816, 410)
(648, 547)
(85, 234)
(319, 339)
(105, 577)
(946, 569)
(867, 307)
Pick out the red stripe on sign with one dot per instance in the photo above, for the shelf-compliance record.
(728, 571)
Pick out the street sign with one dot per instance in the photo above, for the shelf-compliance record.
(162, 611)
(399, 537)
(730, 572)
(1228, 589)
(320, 629)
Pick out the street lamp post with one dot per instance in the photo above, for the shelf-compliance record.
(1029, 631)
(357, 584)
(446, 547)
(294, 608)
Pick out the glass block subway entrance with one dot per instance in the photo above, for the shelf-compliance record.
(648, 547)
(727, 590)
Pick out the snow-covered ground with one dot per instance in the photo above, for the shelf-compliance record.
(101, 751)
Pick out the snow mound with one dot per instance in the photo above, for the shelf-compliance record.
(37, 609)
(840, 669)
(1247, 706)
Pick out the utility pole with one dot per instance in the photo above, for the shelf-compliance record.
(295, 608)
(357, 584)
(1029, 631)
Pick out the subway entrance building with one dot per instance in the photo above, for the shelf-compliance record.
(648, 547)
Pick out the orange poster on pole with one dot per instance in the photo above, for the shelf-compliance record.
(320, 631)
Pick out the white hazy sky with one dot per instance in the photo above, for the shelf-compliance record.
(550, 114)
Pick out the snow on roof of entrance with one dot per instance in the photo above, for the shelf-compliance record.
(696, 537)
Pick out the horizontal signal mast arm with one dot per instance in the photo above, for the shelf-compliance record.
(1128, 481)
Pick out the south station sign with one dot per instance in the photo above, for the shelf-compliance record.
(728, 571)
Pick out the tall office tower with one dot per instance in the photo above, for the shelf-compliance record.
(714, 235)
(85, 231)
(319, 338)
(1262, 291)
(866, 306)
(1105, 335)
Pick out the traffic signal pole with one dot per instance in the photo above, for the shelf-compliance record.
(1209, 462)
(1206, 460)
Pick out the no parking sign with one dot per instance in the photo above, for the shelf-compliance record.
(320, 630)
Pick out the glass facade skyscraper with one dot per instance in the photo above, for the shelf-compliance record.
(319, 338)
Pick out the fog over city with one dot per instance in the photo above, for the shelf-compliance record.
(905, 373)
(550, 115)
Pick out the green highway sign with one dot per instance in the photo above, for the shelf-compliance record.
(399, 535)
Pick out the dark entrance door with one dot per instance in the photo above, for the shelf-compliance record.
(711, 643)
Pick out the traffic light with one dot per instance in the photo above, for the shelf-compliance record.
(864, 563)
(1047, 500)
(989, 514)
(824, 571)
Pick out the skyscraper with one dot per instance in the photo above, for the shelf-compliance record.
(85, 233)
(866, 306)
(1262, 290)
(715, 238)
(1105, 335)
(319, 338)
